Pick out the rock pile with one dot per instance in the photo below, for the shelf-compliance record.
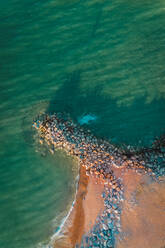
(99, 158)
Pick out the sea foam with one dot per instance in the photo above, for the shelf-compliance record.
(86, 119)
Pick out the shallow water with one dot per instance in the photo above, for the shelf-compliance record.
(92, 57)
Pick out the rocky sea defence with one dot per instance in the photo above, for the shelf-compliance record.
(108, 173)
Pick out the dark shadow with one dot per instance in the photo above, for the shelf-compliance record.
(125, 124)
(67, 96)
(73, 100)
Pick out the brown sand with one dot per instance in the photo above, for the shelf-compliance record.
(143, 208)
(143, 214)
(87, 207)
(143, 211)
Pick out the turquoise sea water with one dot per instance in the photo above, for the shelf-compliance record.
(99, 58)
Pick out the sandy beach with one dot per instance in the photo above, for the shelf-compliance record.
(142, 219)
(143, 213)
(119, 202)
(87, 207)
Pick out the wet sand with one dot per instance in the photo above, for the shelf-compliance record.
(119, 202)
(142, 217)
(87, 207)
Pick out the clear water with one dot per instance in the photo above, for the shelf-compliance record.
(104, 58)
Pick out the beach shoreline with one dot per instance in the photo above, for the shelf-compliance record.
(88, 205)
(108, 189)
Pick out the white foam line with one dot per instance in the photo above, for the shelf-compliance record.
(66, 217)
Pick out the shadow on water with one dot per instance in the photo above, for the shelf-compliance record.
(70, 98)
(67, 96)
(122, 124)
(136, 124)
